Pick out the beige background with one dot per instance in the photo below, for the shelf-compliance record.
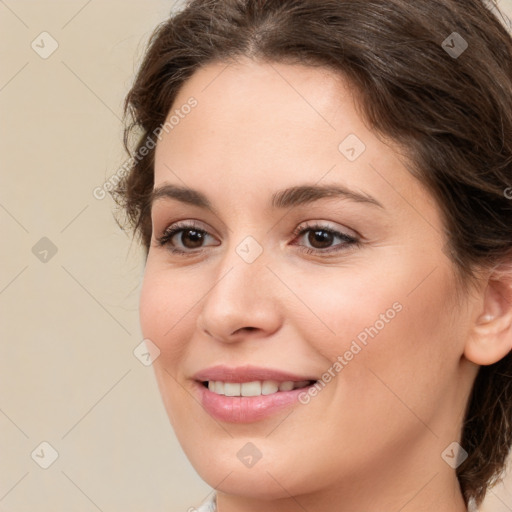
(69, 325)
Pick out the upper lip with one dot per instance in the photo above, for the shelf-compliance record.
(247, 373)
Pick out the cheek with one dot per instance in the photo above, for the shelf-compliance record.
(399, 355)
(397, 325)
(339, 305)
(165, 317)
(165, 313)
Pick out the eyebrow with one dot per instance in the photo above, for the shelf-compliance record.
(287, 198)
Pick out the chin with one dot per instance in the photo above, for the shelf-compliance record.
(251, 483)
(269, 478)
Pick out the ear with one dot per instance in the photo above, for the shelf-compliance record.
(490, 339)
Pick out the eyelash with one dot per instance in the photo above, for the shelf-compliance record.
(299, 231)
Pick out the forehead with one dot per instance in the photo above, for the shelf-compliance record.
(268, 106)
(277, 110)
(268, 125)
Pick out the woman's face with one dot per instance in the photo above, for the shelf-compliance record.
(346, 284)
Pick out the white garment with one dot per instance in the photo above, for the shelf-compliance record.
(209, 505)
(472, 506)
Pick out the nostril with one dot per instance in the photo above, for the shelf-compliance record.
(245, 329)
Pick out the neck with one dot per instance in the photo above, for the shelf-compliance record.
(329, 503)
(422, 490)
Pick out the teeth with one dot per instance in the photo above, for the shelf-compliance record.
(219, 388)
(255, 388)
(269, 386)
(250, 388)
(286, 386)
(232, 388)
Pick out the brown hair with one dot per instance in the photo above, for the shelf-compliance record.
(451, 114)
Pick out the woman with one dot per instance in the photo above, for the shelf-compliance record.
(322, 191)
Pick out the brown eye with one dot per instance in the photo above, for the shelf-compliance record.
(191, 238)
(320, 239)
(184, 237)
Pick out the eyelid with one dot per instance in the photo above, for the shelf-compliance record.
(325, 225)
(185, 223)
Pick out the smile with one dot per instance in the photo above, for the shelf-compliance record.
(254, 388)
(246, 394)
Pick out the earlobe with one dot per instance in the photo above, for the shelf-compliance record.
(490, 339)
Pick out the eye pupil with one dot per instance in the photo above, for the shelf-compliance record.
(320, 236)
(194, 235)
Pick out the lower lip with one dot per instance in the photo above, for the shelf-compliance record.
(246, 409)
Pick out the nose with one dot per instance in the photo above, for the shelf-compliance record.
(241, 302)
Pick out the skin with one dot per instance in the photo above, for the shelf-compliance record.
(372, 439)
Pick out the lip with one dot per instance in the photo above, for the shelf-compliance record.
(246, 409)
(248, 373)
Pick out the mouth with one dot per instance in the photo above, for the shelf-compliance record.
(254, 388)
(247, 394)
